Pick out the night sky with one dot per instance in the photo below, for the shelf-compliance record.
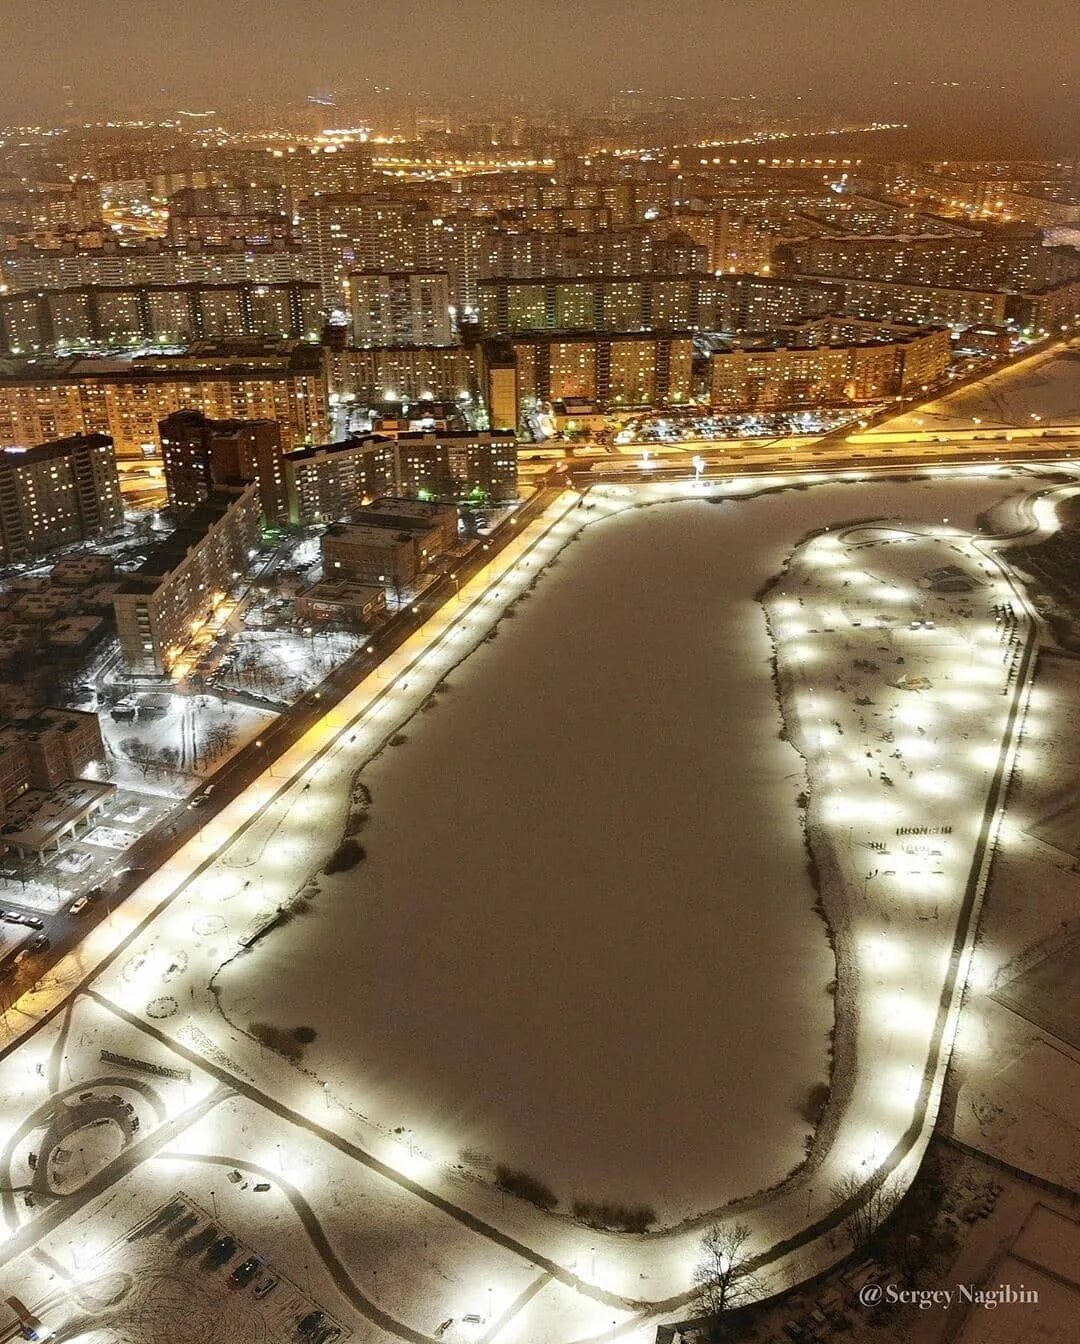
(117, 53)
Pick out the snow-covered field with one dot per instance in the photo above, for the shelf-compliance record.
(632, 690)
(586, 893)
(585, 884)
(1036, 392)
(182, 727)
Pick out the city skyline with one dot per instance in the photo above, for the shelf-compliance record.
(996, 69)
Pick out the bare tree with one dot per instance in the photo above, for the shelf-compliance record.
(138, 753)
(218, 739)
(870, 1202)
(721, 1278)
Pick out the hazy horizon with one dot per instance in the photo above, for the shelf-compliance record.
(986, 71)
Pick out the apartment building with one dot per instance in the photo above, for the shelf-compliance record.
(57, 493)
(201, 454)
(161, 605)
(128, 397)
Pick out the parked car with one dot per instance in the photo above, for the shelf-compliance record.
(221, 1252)
(245, 1271)
(198, 1241)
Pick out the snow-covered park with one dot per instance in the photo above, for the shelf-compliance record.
(1041, 391)
(583, 939)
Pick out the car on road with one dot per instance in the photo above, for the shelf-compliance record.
(78, 905)
(40, 943)
(245, 1271)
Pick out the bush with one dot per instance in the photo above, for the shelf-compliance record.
(525, 1186)
(814, 1103)
(304, 1035)
(274, 1038)
(616, 1217)
(347, 855)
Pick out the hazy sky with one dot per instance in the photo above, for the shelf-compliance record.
(210, 51)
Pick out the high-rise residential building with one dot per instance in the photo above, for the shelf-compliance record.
(764, 302)
(162, 605)
(591, 303)
(57, 493)
(201, 454)
(333, 482)
(832, 362)
(98, 316)
(614, 369)
(456, 464)
(401, 308)
(986, 263)
(403, 373)
(532, 253)
(1053, 311)
(924, 305)
(153, 262)
(344, 233)
(127, 397)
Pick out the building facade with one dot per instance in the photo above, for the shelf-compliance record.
(57, 493)
(401, 308)
(127, 398)
(160, 607)
(201, 454)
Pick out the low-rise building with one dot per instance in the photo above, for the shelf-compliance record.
(341, 600)
(14, 766)
(378, 556)
(74, 635)
(414, 515)
(44, 750)
(62, 744)
(82, 571)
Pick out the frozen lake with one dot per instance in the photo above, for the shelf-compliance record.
(583, 939)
